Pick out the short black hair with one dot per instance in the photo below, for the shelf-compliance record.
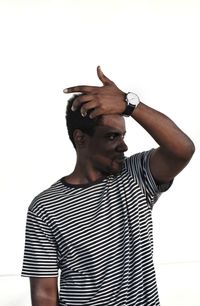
(74, 120)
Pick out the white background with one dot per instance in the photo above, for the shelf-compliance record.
(149, 47)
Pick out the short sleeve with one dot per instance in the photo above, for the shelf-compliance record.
(138, 167)
(40, 254)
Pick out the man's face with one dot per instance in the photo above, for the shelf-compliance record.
(106, 147)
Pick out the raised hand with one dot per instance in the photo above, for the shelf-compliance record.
(98, 100)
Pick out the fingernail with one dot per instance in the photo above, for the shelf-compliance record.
(84, 114)
(65, 90)
(73, 108)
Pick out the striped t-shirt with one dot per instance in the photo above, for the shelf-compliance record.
(99, 236)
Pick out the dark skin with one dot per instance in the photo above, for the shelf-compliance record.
(99, 155)
(175, 147)
(102, 154)
(44, 291)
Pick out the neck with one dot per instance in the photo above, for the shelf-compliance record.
(84, 173)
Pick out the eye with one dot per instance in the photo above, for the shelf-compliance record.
(111, 136)
(114, 136)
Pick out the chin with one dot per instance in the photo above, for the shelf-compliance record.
(115, 170)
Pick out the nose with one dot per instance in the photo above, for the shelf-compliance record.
(122, 147)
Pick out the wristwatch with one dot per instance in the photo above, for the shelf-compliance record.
(132, 101)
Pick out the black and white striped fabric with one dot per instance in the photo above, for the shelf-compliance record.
(100, 237)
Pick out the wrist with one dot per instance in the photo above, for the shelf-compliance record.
(132, 100)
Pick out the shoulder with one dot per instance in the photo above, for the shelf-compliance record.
(47, 197)
(138, 161)
(138, 165)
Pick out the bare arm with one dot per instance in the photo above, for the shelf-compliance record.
(175, 147)
(44, 291)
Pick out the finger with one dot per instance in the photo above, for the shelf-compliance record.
(86, 107)
(95, 113)
(80, 100)
(104, 79)
(81, 88)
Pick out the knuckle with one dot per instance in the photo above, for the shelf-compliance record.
(103, 107)
(97, 96)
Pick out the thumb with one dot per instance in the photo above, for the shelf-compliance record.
(102, 77)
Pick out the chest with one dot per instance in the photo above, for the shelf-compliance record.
(95, 219)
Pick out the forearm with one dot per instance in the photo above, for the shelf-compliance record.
(44, 291)
(175, 147)
(44, 300)
(164, 131)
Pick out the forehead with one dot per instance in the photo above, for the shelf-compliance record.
(112, 122)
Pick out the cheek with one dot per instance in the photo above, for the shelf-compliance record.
(104, 153)
(102, 149)
(102, 156)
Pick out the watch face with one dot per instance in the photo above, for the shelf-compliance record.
(132, 101)
(132, 98)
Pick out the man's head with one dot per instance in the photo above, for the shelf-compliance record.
(75, 120)
(98, 142)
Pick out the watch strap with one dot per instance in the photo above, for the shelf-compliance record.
(132, 100)
(128, 110)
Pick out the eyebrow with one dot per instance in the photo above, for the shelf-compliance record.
(111, 128)
(116, 132)
(108, 129)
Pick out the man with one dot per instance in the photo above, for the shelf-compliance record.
(95, 224)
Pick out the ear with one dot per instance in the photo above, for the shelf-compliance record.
(79, 138)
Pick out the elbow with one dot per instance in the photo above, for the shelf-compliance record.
(188, 151)
(192, 148)
(183, 152)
